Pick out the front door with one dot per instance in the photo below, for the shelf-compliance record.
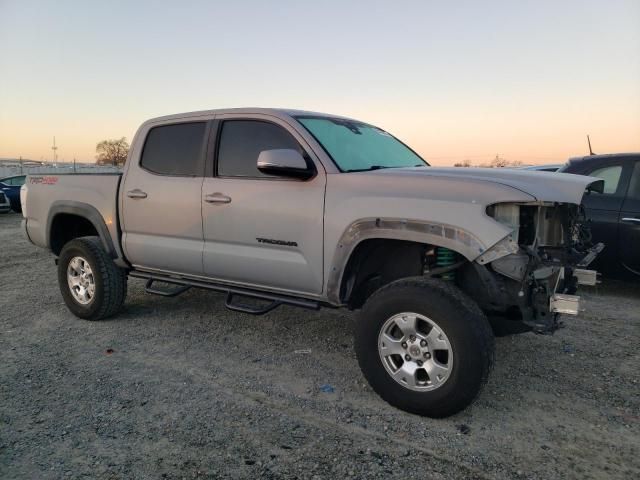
(629, 229)
(603, 209)
(261, 230)
(161, 203)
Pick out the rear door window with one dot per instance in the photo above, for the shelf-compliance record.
(175, 150)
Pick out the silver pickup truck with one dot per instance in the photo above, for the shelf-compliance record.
(280, 207)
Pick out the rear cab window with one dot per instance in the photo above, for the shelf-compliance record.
(175, 150)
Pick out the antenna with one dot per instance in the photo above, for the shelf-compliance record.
(589, 142)
(55, 153)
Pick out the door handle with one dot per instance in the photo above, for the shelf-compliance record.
(630, 219)
(137, 193)
(217, 198)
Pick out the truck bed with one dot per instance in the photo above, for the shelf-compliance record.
(52, 194)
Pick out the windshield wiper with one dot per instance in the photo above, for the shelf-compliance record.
(378, 167)
(368, 169)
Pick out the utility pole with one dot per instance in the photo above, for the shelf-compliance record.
(55, 153)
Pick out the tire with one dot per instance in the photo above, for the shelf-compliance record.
(15, 205)
(106, 282)
(452, 329)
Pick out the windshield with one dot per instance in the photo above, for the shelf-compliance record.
(355, 146)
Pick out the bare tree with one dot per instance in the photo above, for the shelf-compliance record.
(112, 152)
(499, 162)
(464, 163)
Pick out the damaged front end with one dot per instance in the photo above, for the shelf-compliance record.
(532, 274)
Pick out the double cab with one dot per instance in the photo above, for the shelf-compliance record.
(281, 207)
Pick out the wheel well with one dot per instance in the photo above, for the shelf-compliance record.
(65, 227)
(377, 262)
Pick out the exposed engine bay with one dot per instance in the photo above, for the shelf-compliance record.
(532, 274)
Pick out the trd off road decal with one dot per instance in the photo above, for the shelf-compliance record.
(43, 180)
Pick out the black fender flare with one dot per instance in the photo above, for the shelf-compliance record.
(433, 233)
(91, 214)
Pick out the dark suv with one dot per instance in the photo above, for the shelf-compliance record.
(614, 213)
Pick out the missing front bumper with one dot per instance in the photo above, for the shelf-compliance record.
(586, 277)
(553, 295)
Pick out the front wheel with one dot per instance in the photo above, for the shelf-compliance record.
(424, 346)
(92, 286)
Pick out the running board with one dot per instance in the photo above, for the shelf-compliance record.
(244, 308)
(184, 284)
(164, 293)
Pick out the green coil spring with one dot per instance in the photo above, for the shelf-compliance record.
(444, 258)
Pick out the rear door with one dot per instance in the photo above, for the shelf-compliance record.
(161, 203)
(629, 228)
(261, 230)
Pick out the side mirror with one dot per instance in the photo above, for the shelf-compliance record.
(284, 162)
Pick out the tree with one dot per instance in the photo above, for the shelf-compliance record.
(112, 152)
(464, 163)
(499, 162)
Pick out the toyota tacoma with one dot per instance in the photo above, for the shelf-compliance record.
(280, 207)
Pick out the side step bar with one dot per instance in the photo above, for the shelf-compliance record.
(165, 293)
(184, 284)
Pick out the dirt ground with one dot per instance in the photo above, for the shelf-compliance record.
(182, 388)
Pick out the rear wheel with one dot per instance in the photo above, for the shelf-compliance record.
(424, 346)
(92, 286)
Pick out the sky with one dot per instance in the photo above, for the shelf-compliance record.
(465, 80)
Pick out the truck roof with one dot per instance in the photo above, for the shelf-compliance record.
(276, 112)
(603, 156)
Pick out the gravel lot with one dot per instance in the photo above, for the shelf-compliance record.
(182, 388)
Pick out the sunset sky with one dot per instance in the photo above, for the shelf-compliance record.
(455, 80)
